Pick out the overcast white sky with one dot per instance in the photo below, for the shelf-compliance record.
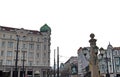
(71, 21)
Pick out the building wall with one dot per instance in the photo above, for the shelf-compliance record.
(66, 70)
(35, 46)
(112, 60)
(82, 61)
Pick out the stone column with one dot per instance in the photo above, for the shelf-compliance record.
(33, 72)
(19, 72)
(93, 64)
(11, 73)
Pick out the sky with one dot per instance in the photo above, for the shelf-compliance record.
(71, 21)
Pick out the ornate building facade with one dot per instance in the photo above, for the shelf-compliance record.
(110, 61)
(33, 48)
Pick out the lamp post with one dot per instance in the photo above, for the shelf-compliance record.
(20, 33)
(23, 57)
(102, 52)
(23, 63)
(16, 60)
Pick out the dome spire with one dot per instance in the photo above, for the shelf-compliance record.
(45, 28)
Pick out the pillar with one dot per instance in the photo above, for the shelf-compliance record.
(11, 73)
(93, 64)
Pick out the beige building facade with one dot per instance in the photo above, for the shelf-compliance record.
(33, 49)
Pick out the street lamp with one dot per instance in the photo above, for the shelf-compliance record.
(16, 60)
(20, 33)
(23, 63)
(23, 56)
(102, 52)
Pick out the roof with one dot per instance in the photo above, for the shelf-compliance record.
(4, 28)
(45, 28)
(116, 48)
(79, 50)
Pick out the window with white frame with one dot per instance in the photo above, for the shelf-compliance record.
(38, 39)
(30, 63)
(31, 46)
(3, 44)
(30, 54)
(10, 44)
(1, 62)
(9, 53)
(10, 36)
(2, 53)
(24, 46)
(44, 47)
(3, 35)
(9, 62)
(117, 61)
(38, 47)
(31, 38)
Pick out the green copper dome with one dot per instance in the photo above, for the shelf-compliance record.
(45, 28)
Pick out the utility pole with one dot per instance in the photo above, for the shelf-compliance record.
(57, 61)
(54, 64)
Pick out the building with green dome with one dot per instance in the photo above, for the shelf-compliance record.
(33, 49)
(45, 28)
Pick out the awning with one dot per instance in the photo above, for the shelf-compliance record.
(37, 72)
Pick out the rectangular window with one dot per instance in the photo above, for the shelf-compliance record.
(10, 36)
(9, 53)
(24, 46)
(10, 44)
(1, 62)
(30, 63)
(2, 53)
(37, 54)
(31, 38)
(117, 61)
(23, 55)
(45, 39)
(44, 47)
(37, 62)
(3, 43)
(24, 38)
(30, 55)
(31, 46)
(9, 62)
(38, 47)
(38, 39)
(3, 35)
